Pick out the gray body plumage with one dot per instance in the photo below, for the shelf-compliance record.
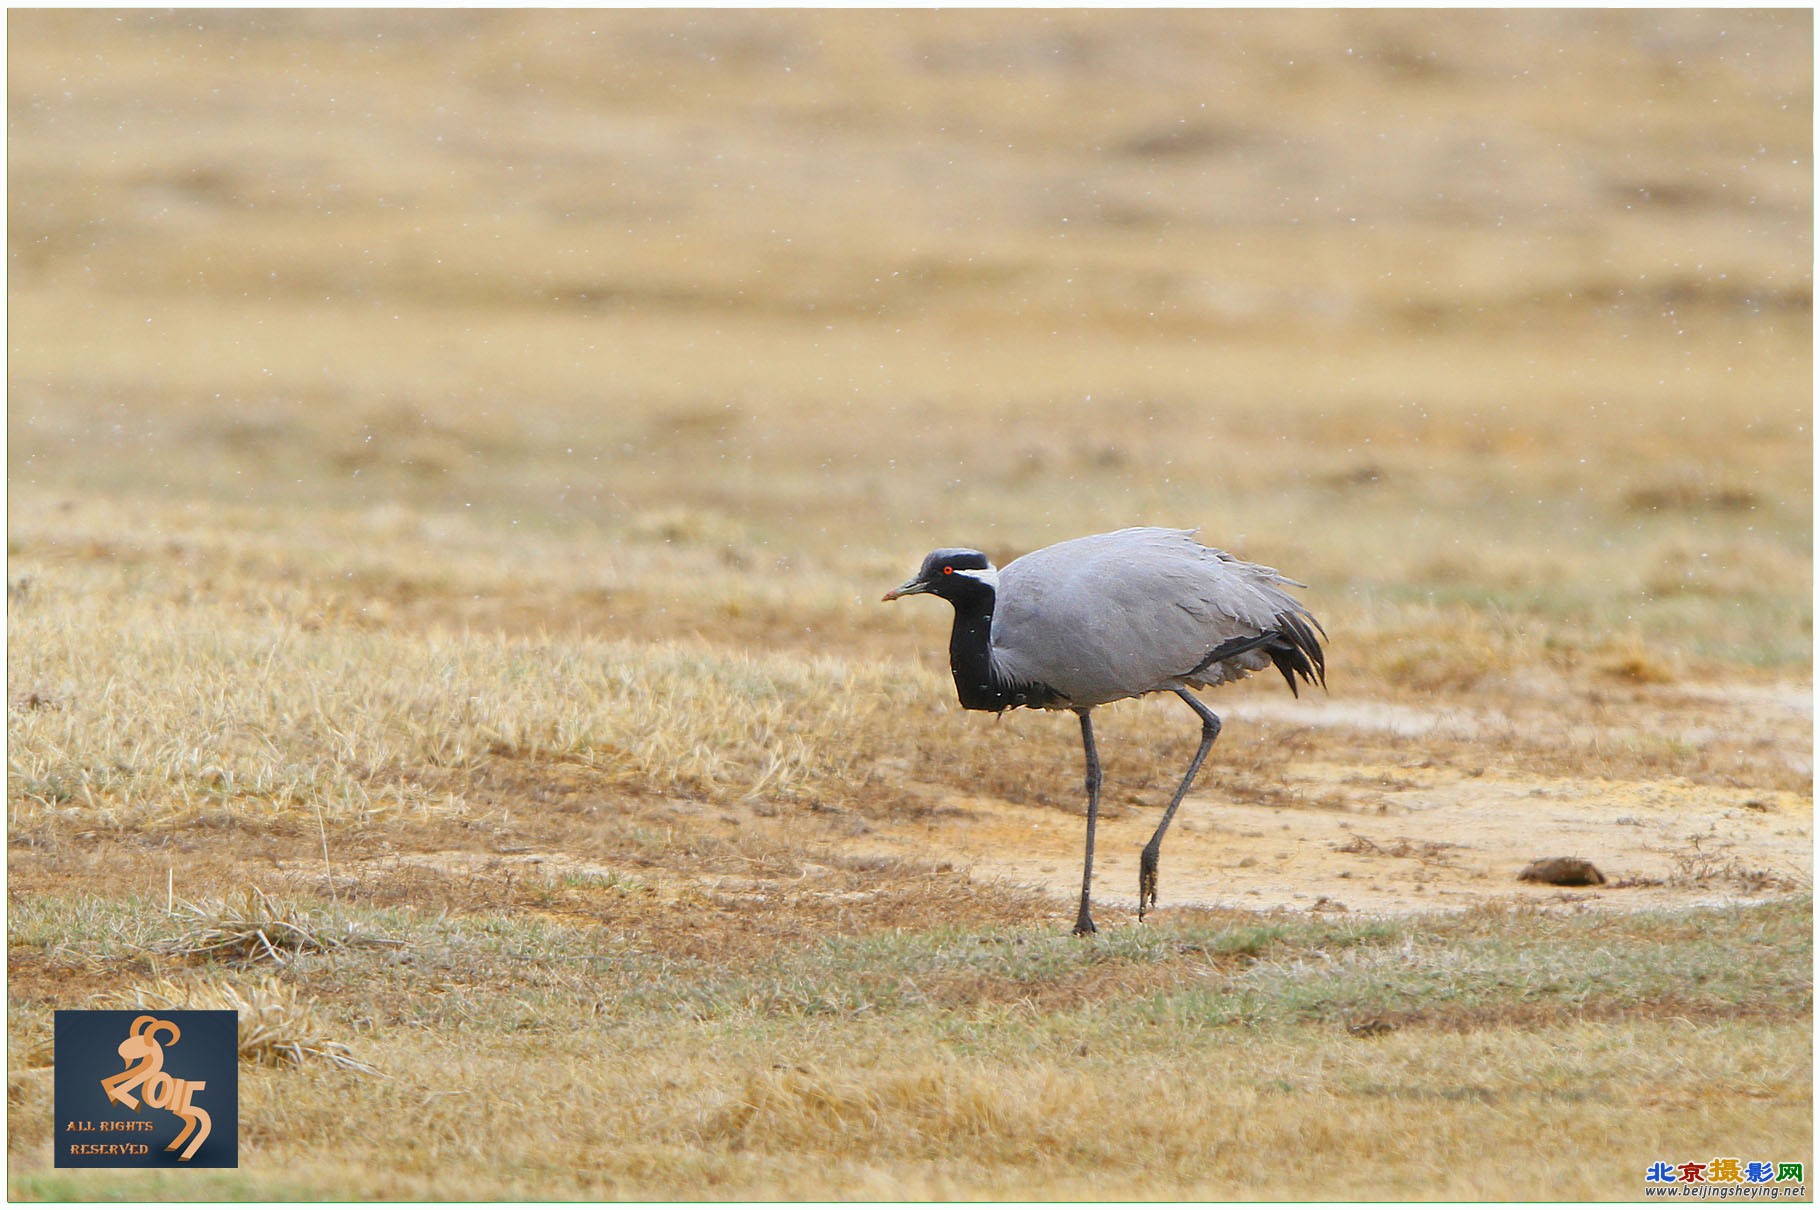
(1117, 615)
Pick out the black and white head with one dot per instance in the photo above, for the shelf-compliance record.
(952, 573)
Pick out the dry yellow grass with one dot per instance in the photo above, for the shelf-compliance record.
(277, 1029)
(454, 459)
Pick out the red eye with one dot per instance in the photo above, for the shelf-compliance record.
(947, 571)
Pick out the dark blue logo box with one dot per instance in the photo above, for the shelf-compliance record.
(147, 1089)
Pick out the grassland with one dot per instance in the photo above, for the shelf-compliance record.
(454, 459)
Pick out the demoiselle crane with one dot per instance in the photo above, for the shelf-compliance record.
(1111, 616)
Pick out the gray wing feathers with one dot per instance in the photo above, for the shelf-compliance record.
(1120, 614)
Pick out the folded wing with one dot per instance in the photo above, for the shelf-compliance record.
(1121, 614)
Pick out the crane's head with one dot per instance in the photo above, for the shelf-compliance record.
(952, 572)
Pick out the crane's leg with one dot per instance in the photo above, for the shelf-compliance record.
(1083, 924)
(1210, 731)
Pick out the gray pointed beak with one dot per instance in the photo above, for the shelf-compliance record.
(908, 588)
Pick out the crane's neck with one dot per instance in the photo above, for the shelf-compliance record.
(977, 680)
(970, 654)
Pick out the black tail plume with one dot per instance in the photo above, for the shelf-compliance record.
(1296, 651)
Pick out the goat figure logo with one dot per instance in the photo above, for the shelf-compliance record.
(145, 1066)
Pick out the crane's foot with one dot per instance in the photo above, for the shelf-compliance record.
(1147, 880)
(1083, 924)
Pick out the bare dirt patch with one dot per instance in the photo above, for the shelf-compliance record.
(1418, 840)
(1422, 834)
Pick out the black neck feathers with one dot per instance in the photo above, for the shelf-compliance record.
(980, 685)
(970, 653)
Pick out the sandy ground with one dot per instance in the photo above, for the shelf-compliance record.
(1421, 839)
(1417, 835)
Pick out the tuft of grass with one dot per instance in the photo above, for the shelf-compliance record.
(86, 931)
(251, 926)
(1690, 487)
(278, 1028)
(1707, 870)
(1631, 658)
